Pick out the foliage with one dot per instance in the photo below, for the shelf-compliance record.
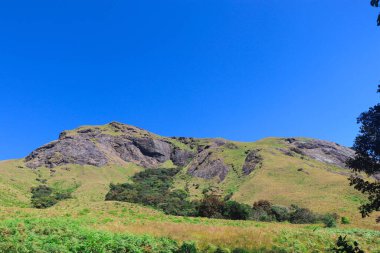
(280, 213)
(375, 3)
(44, 196)
(330, 220)
(302, 215)
(211, 206)
(152, 187)
(367, 158)
(188, 247)
(344, 246)
(263, 210)
(50, 236)
(236, 211)
(345, 220)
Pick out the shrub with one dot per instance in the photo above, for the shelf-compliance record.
(44, 202)
(211, 206)
(345, 220)
(188, 247)
(222, 250)
(236, 211)
(330, 220)
(262, 211)
(152, 187)
(344, 246)
(43, 196)
(280, 213)
(264, 205)
(302, 216)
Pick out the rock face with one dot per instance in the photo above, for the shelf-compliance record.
(323, 151)
(117, 143)
(113, 143)
(207, 166)
(252, 161)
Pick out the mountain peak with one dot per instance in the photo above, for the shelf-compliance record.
(118, 143)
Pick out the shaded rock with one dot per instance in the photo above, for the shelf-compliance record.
(74, 150)
(181, 157)
(156, 149)
(206, 166)
(252, 161)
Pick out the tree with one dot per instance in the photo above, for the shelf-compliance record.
(211, 206)
(367, 159)
(236, 211)
(344, 246)
(375, 3)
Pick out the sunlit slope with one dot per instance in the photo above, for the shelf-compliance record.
(283, 180)
(89, 183)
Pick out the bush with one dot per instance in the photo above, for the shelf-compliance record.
(302, 216)
(222, 250)
(280, 213)
(264, 205)
(330, 220)
(236, 211)
(44, 196)
(262, 211)
(152, 187)
(188, 247)
(211, 206)
(345, 246)
(345, 220)
(44, 202)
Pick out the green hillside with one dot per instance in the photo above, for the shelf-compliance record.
(281, 174)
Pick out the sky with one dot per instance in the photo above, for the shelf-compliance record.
(238, 69)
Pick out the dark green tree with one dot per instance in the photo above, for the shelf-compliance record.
(344, 246)
(375, 3)
(367, 159)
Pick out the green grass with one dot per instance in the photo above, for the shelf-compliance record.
(65, 235)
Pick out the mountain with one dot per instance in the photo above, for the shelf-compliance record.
(286, 171)
(117, 143)
(306, 172)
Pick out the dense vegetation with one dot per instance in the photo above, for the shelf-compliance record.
(153, 187)
(367, 159)
(44, 196)
(64, 235)
(38, 235)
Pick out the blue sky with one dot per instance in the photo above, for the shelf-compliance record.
(239, 69)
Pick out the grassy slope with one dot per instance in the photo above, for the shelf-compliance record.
(321, 189)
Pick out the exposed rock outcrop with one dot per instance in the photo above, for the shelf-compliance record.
(114, 142)
(117, 143)
(207, 166)
(252, 161)
(323, 151)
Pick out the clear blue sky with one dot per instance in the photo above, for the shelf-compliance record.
(239, 69)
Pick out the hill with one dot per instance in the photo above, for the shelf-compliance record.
(302, 171)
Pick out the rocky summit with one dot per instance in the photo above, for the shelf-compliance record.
(117, 143)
